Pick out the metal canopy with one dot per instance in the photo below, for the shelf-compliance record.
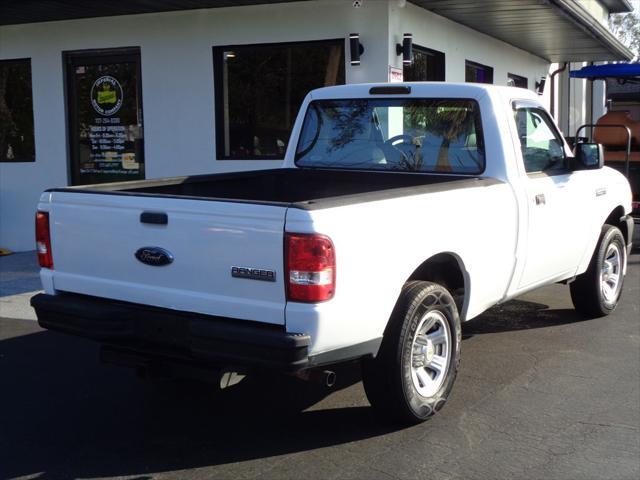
(613, 70)
(556, 30)
(14, 12)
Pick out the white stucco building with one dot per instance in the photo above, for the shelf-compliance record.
(141, 89)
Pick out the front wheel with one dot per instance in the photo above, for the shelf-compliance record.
(596, 292)
(413, 374)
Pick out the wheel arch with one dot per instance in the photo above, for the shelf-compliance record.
(449, 270)
(615, 219)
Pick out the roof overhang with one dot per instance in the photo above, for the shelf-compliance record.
(13, 12)
(556, 30)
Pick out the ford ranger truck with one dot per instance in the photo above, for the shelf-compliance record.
(400, 211)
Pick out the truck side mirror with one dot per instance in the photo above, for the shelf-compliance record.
(588, 156)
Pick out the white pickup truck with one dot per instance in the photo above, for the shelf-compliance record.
(401, 211)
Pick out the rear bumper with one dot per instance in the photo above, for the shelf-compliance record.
(182, 336)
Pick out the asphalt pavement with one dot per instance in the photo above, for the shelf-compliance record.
(541, 394)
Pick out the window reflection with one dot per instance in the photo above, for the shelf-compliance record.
(16, 112)
(260, 89)
(427, 135)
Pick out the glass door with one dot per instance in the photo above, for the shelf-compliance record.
(104, 96)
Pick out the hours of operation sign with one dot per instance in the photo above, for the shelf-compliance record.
(109, 127)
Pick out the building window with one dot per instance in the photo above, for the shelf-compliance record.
(477, 73)
(16, 112)
(259, 89)
(427, 66)
(514, 80)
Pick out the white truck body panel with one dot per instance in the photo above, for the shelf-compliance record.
(505, 243)
(206, 238)
(392, 238)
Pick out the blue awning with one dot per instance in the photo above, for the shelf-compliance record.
(611, 70)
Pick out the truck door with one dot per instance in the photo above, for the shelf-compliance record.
(557, 200)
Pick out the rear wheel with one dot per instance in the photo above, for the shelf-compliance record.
(596, 292)
(413, 374)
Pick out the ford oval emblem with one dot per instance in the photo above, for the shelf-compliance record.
(154, 256)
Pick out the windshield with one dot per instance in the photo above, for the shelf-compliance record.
(411, 135)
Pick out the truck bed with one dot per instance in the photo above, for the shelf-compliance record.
(207, 224)
(302, 188)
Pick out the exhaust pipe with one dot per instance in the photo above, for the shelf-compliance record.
(329, 378)
(322, 377)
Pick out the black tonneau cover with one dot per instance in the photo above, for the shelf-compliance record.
(304, 188)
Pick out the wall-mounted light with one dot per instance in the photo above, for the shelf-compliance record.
(356, 48)
(540, 85)
(406, 49)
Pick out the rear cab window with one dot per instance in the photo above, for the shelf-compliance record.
(432, 135)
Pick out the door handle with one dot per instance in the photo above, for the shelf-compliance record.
(540, 199)
(155, 218)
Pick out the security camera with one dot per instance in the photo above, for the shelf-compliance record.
(357, 3)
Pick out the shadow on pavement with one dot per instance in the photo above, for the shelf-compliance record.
(519, 315)
(64, 415)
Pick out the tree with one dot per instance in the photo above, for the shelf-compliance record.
(447, 119)
(626, 26)
(16, 112)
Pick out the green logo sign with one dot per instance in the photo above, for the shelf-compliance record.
(106, 95)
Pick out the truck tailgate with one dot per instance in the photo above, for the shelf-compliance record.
(95, 237)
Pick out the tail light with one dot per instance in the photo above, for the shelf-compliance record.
(310, 267)
(43, 240)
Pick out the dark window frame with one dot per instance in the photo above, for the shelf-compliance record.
(434, 53)
(18, 61)
(518, 78)
(94, 56)
(478, 66)
(218, 88)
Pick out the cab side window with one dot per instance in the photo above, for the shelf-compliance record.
(542, 146)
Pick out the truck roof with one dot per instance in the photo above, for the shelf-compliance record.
(421, 89)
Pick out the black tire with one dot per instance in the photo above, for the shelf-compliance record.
(389, 379)
(587, 292)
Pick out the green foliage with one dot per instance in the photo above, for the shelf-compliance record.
(626, 26)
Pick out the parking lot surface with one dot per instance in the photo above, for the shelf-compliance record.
(541, 394)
